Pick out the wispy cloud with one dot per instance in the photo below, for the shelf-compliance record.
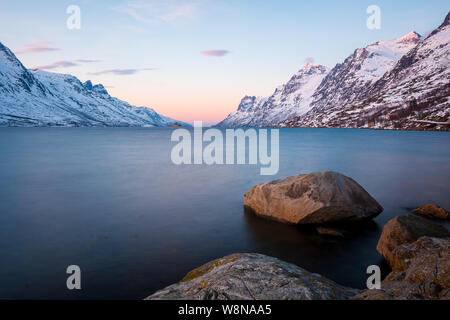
(121, 72)
(36, 47)
(156, 11)
(214, 53)
(66, 64)
(87, 61)
(58, 64)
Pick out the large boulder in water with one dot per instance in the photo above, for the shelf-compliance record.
(252, 276)
(315, 198)
(421, 270)
(406, 229)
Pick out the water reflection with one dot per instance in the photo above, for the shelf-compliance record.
(334, 257)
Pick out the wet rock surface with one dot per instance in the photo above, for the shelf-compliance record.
(432, 211)
(316, 198)
(406, 229)
(252, 276)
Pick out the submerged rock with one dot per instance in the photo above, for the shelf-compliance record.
(406, 229)
(421, 270)
(432, 211)
(315, 198)
(252, 276)
(327, 231)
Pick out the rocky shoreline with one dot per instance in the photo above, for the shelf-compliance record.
(415, 246)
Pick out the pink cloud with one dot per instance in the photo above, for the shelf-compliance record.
(121, 72)
(59, 64)
(37, 47)
(214, 53)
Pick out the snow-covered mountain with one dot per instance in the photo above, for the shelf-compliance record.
(289, 100)
(40, 98)
(349, 81)
(414, 94)
(379, 76)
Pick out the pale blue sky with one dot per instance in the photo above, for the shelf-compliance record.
(160, 44)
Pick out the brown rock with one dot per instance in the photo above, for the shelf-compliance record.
(432, 211)
(314, 198)
(406, 229)
(421, 270)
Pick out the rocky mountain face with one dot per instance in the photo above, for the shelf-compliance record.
(289, 100)
(349, 81)
(414, 94)
(40, 98)
(391, 84)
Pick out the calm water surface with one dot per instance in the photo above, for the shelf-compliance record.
(111, 201)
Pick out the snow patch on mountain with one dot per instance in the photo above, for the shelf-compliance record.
(385, 54)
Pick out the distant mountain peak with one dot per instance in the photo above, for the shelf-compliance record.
(249, 102)
(99, 88)
(88, 85)
(412, 36)
(310, 65)
(314, 68)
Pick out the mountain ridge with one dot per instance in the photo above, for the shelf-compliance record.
(414, 94)
(288, 100)
(353, 82)
(33, 97)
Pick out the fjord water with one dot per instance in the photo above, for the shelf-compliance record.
(110, 201)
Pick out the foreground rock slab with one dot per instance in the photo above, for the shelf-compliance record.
(253, 276)
(406, 229)
(432, 211)
(421, 270)
(315, 198)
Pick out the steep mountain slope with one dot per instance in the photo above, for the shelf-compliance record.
(314, 88)
(348, 82)
(415, 94)
(39, 98)
(289, 100)
(248, 107)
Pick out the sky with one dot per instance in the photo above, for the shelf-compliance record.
(195, 59)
